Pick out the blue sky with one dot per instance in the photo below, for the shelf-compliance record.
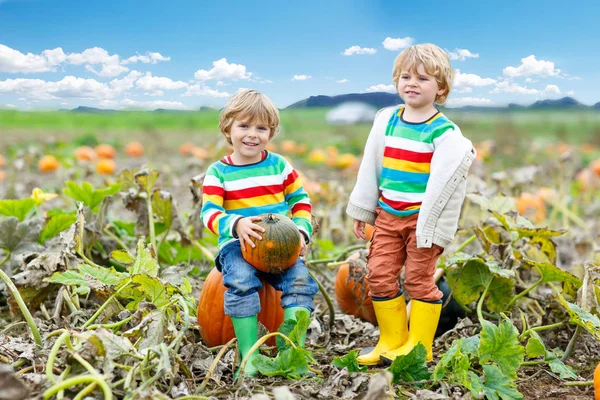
(186, 54)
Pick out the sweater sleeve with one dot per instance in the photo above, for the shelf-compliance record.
(213, 214)
(297, 200)
(365, 195)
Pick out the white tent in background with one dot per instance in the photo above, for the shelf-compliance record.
(351, 113)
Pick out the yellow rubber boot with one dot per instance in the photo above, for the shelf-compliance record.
(424, 318)
(393, 328)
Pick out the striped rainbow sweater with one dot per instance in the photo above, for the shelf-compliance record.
(271, 185)
(407, 160)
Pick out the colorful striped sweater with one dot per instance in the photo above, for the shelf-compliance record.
(407, 160)
(271, 185)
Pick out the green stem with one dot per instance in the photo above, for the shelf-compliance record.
(87, 390)
(480, 302)
(328, 300)
(466, 243)
(111, 326)
(106, 303)
(177, 342)
(193, 398)
(542, 328)
(114, 237)
(151, 222)
(571, 344)
(52, 356)
(77, 381)
(579, 383)
(533, 363)
(524, 292)
(17, 296)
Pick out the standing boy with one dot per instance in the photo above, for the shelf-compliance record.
(410, 186)
(237, 189)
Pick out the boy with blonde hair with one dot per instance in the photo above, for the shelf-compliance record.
(410, 186)
(237, 189)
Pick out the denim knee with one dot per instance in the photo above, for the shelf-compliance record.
(298, 287)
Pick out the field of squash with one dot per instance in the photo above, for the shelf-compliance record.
(109, 290)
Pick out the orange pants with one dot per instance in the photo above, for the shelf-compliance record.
(393, 246)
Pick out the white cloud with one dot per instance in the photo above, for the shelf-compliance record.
(158, 83)
(381, 88)
(223, 70)
(551, 89)
(149, 58)
(201, 90)
(68, 87)
(267, 81)
(571, 93)
(13, 61)
(469, 101)
(467, 80)
(155, 93)
(144, 105)
(529, 80)
(301, 77)
(359, 50)
(397, 43)
(10, 106)
(511, 87)
(125, 83)
(464, 90)
(461, 54)
(531, 66)
(342, 81)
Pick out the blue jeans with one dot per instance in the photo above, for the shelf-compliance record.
(243, 283)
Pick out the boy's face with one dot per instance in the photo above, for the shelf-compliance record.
(248, 140)
(417, 88)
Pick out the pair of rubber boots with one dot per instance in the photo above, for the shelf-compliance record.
(394, 337)
(246, 332)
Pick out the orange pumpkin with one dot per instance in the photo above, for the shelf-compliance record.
(586, 180)
(85, 153)
(597, 382)
(317, 156)
(346, 160)
(48, 163)
(288, 146)
(134, 149)
(271, 147)
(186, 149)
(352, 289)
(369, 229)
(105, 151)
(595, 166)
(280, 245)
(199, 152)
(2, 161)
(216, 327)
(106, 166)
(531, 206)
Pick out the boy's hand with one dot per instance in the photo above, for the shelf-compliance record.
(302, 246)
(359, 229)
(246, 228)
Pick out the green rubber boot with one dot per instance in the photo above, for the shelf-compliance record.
(290, 313)
(246, 332)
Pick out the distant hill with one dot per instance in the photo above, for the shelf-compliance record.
(377, 99)
(565, 102)
(91, 110)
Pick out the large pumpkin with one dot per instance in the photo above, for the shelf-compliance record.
(352, 289)
(216, 328)
(280, 245)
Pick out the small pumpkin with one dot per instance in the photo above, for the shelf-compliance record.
(595, 166)
(531, 206)
(597, 382)
(106, 166)
(280, 245)
(216, 327)
(317, 156)
(346, 160)
(106, 151)
(48, 163)
(2, 161)
(134, 149)
(288, 146)
(199, 153)
(186, 149)
(369, 229)
(352, 289)
(85, 153)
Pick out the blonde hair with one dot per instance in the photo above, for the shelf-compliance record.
(434, 60)
(250, 106)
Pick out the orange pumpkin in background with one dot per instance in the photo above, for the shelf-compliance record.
(48, 163)
(199, 153)
(597, 382)
(595, 166)
(532, 207)
(280, 245)
(216, 328)
(186, 149)
(287, 147)
(2, 161)
(134, 149)
(106, 151)
(85, 153)
(352, 289)
(106, 167)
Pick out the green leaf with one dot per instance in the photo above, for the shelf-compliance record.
(87, 277)
(57, 224)
(293, 330)
(144, 287)
(122, 256)
(290, 363)
(540, 232)
(349, 362)
(412, 366)
(144, 262)
(471, 345)
(551, 273)
(500, 292)
(468, 280)
(535, 346)
(19, 237)
(558, 367)
(454, 365)
(586, 320)
(500, 344)
(498, 386)
(127, 227)
(71, 278)
(162, 206)
(106, 276)
(88, 195)
(17, 208)
(146, 180)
